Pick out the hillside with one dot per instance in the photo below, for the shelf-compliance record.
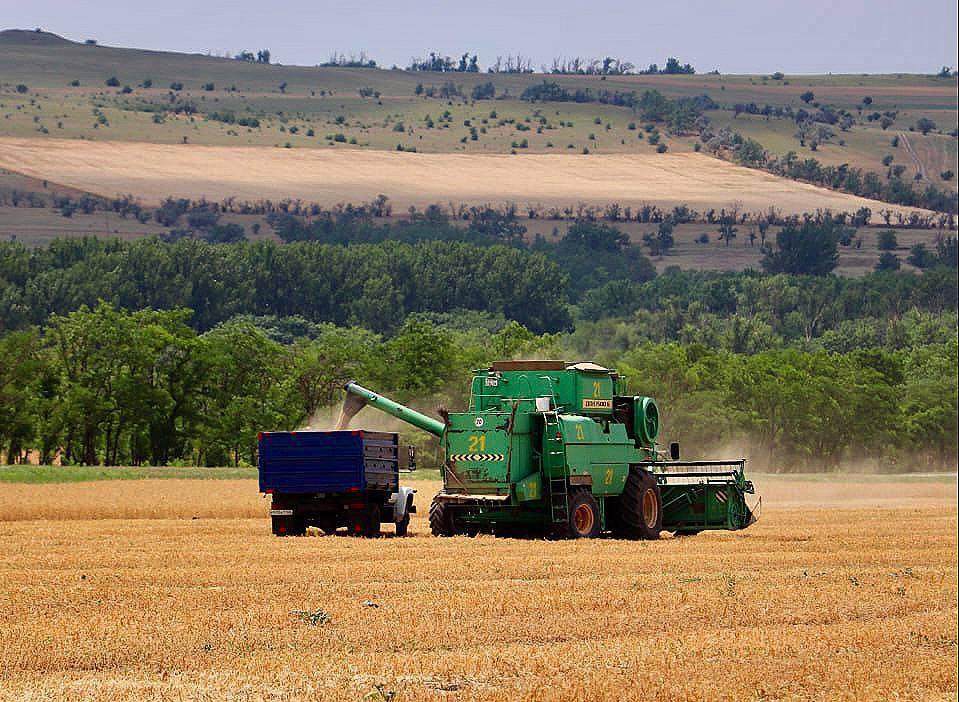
(66, 80)
(152, 172)
(200, 126)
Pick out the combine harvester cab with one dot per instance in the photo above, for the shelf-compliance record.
(558, 448)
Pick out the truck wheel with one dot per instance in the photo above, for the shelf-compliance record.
(441, 521)
(641, 506)
(372, 528)
(328, 523)
(403, 526)
(583, 521)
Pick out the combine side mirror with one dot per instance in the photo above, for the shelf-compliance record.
(674, 451)
(411, 465)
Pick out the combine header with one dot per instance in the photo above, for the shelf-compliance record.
(552, 447)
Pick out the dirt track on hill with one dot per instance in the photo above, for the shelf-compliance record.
(328, 176)
(917, 162)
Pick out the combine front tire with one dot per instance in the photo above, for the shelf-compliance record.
(640, 506)
(441, 521)
(583, 521)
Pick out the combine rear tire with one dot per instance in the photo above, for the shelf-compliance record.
(583, 521)
(640, 506)
(441, 521)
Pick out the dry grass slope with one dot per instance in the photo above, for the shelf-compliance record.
(811, 603)
(153, 171)
(321, 111)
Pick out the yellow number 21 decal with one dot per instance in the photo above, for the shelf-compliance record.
(477, 444)
(597, 390)
(608, 480)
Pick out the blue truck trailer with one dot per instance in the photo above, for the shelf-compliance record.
(333, 479)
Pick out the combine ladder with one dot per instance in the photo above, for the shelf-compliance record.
(553, 463)
(558, 500)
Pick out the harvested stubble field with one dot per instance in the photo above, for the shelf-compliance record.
(155, 171)
(174, 590)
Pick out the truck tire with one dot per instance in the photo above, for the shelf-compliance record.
(327, 523)
(584, 520)
(640, 506)
(403, 526)
(371, 529)
(441, 521)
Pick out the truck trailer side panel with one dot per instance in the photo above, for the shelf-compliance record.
(331, 461)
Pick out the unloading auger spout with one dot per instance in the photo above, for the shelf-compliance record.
(357, 397)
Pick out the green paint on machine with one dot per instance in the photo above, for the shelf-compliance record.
(563, 449)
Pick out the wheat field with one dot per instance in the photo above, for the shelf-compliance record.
(155, 171)
(175, 590)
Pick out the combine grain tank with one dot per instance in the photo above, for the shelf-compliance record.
(554, 447)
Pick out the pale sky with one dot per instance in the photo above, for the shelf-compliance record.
(748, 36)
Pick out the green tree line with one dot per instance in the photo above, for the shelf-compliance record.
(844, 312)
(799, 410)
(374, 286)
(377, 286)
(104, 385)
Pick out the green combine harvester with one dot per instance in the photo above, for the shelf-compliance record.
(557, 448)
